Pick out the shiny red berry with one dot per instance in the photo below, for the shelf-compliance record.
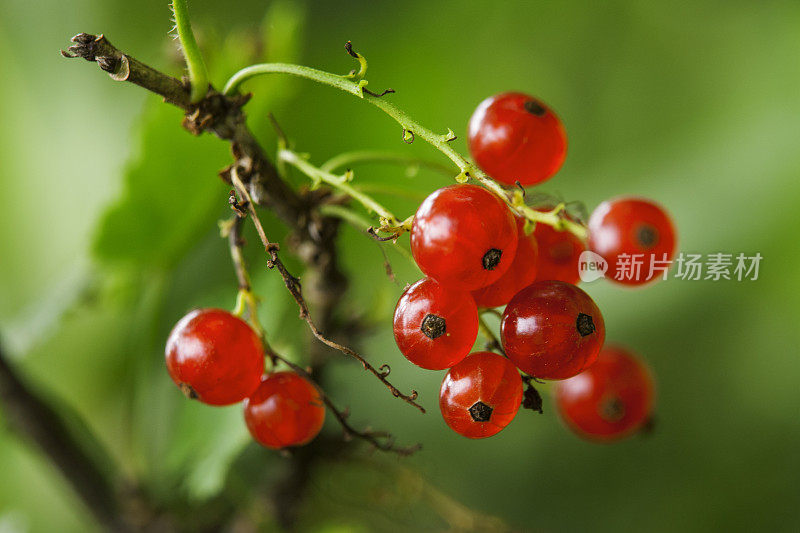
(464, 236)
(552, 330)
(559, 252)
(286, 410)
(611, 399)
(215, 357)
(480, 395)
(632, 233)
(435, 326)
(515, 137)
(519, 275)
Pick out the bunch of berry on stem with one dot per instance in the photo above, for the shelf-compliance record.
(474, 247)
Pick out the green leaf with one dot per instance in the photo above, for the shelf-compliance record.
(170, 194)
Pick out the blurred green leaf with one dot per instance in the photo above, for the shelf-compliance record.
(170, 194)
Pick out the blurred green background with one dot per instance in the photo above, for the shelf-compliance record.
(694, 104)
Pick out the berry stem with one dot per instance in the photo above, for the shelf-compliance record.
(362, 224)
(493, 342)
(338, 182)
(347, 159)
(355, 85)
(198, 76)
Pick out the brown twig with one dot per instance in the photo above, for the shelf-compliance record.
(381, 440)
(295, 289)
(29, 415)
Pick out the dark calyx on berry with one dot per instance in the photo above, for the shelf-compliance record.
(480, 412)
(647, 236)
(612, 409)
(188, 391)
(492, 258)
(433, 326)
(531, 399)
(535, 108)
(584, 324)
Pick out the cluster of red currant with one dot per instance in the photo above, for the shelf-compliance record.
(216, 357)
(476, 254)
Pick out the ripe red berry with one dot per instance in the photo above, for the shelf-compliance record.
(627, 231)
(215, 357)
(464, 236)
(286, 410)
(552, 330)
(515, 137)
(435, 326)
(519, 275)
(480, 395)
(611, 399)
(559, 252)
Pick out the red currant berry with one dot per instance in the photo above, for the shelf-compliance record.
(434, 326)
(515, 137)
(286, 410)
(215, 357)
(552, 330)
(631, 233)
(611, 399)
(480, 395)
(520, 274)
(464, 236)
(559, 252)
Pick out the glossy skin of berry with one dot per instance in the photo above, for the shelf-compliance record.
(552, 330)
(480, 395)
(559, 252)
(632, 226)
(464, 236)
(519, 275)
(215, 357)
(610, 400)
(515, 137)
(286, 410)
(435, 326)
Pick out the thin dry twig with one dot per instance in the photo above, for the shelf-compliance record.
(381, 440)
(295, 289)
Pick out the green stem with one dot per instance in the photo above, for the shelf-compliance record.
(361, 224)
(487, 332)
(337, 182)
(194, 60)
(345, 160)
(411, 130)
(326, 78)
